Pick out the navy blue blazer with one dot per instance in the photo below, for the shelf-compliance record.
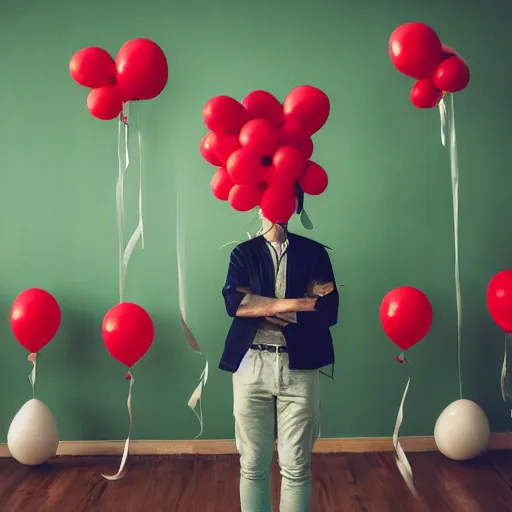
(309, 341)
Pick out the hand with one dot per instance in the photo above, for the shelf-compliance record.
(322, 289)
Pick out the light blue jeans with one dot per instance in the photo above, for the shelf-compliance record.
(263, 380)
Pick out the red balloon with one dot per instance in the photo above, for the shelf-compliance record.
(221, 184)
(415, 50)
(287, 167)
(448, 51)
(127, 332)
(260, 136)
(207, 149)
(499, 299)
(278, 204)
(314, 181)
(424, 94)
(35, 318)
(245, 168)
(142, 71)
(93, 67)
(244, 197)
(452, 75)
(224, 114)
(308, 105)
(262, 104)
(105, 103)
(406, 316)
(225, 144)
(293, 134)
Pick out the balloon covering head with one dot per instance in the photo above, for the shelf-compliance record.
(262, 150)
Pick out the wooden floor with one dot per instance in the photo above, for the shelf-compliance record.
(342, 483)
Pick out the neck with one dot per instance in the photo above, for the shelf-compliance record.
(275, 233)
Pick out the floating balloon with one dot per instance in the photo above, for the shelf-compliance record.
(462, 431)
(278, 204)
(287, 167)
(244, 197)
(33, 436)
(314, 180)
(245, 167)
(139, 72)
(221, 184)
(142, 70)
(263, 105)
(415, 50)
(307, 105)
(224, 114)
(35, 318)
(293, 134)
(207, 147)
(127, 332)
(452, 75)
(260, 136)
(424, 94)
(265, 148)
(499, 299)
(93, 67)
(105, 103)
(406, 316)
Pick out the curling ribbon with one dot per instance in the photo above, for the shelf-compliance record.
(125, 253)
(504, 370)
(195, 400)
(120, 472)
(32, 376)
(448, 132)
(401, 459)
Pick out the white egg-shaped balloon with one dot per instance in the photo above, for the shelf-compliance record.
(33, 437)
(462, 431)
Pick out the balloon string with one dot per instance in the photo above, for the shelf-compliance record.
(195, 400)
(32, 376)
(120, 472)
(504, 370)
(401, 459)
(449, 127)
(125, 253)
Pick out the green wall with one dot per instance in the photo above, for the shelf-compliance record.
(387, 213)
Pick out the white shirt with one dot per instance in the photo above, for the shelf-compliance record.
(270, 334)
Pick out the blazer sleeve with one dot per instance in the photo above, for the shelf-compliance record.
(237, 277)
(326, 310)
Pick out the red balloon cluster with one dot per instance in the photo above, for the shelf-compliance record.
(139, 72)
(416, 51)
(406, 316)
(262, 149)
(35, 318)
(499, 299)
(127, 332)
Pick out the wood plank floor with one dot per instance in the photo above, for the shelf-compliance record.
(342, 483)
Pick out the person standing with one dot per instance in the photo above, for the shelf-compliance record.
(281, 292)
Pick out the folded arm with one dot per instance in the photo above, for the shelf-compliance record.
(258, 306)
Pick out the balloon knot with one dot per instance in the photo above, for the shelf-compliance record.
(32, 357)
(123, 118)
(400, 358)
(128, 376)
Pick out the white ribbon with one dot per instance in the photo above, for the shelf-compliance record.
(32, 357)
(448, 131)
(120, 472)
(195, 400)
(125, 253)
(401, 459)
